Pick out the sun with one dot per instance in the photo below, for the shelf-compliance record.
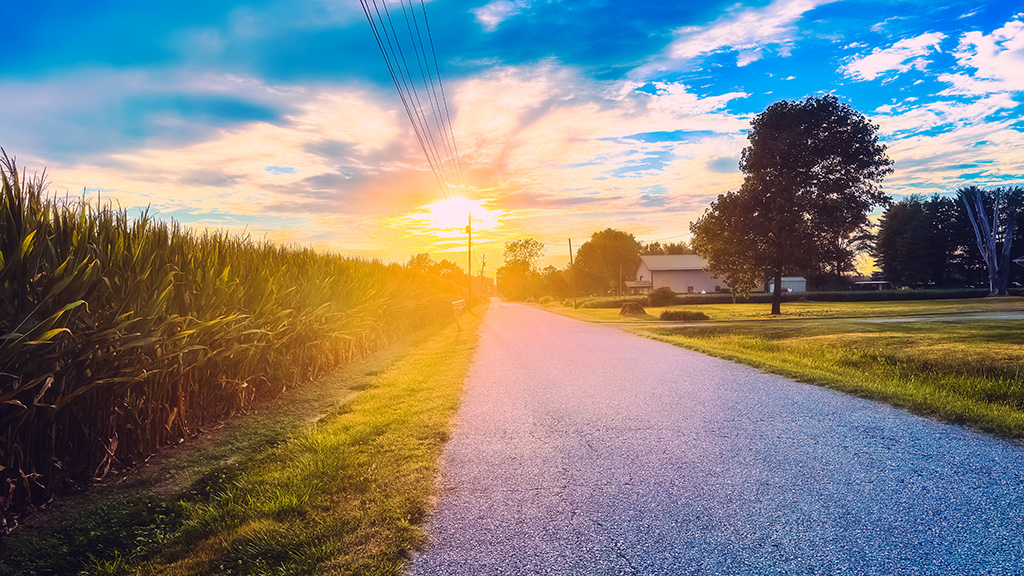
(454, 212)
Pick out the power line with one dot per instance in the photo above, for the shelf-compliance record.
(444, 99)
(431, 90)
(394, 78)
(410, 86)
(429, 126)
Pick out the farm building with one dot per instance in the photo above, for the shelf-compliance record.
(682, 273)
(790, 284)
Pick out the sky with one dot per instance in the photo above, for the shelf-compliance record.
(279, 119)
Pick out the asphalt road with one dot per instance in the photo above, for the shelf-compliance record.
(581, 449)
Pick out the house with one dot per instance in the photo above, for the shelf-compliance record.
(790, 284)
(683, 273)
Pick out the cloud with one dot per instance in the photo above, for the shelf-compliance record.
(337, 166)
(491, 15)
(938, 147)
(747, 32)
(997, 60)
(881, 25)
(902, 56)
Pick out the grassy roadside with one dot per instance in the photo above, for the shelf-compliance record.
(956, 360)
(336, 481)
(748, 311)
(967, 372)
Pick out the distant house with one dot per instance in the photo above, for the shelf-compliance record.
(790, 284)
(684, 273)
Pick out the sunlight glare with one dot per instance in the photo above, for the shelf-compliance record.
(453, 213)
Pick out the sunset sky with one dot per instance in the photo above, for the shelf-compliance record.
(278, 117)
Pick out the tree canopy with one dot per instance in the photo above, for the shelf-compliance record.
(604, 261)
(518, 275)
(669, 248)
(812, 173)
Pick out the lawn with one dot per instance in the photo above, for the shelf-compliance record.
(747, 311)
(334, 480)
(957, 360)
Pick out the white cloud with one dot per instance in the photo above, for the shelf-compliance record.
(948, 115)
(997, 60)
(746, 31)
(902, 56)
(881, 25)
(340, 166)
(491, 15)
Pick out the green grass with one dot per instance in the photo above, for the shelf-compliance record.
(790, 310)
(967, 372)
(336, 479)
(950, 359)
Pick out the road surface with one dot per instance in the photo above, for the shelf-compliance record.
(581, 449)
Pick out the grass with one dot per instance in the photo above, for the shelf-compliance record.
(790, 310)
(951, 359)
(335, 480)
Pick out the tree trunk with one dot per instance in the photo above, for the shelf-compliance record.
(777, 295)
(1004, 260)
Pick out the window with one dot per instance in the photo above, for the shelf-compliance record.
(689, 289)
(718, 288)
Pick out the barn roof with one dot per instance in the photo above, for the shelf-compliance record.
(674, 262)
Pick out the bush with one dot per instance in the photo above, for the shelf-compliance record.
(663, 296)
(683, 315)
(545, 300)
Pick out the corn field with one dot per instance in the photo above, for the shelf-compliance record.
(119, 335)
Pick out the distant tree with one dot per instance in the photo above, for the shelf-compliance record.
(518, 276)
(812, 172)
(994, 236)
(908, 244)
(556, 282)
(669, 248)
(604, 261)
(422, 262)
(450, 271)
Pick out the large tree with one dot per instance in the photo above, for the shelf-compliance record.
(656, 248)
(812, 172)
(604, 261)
(518, 275)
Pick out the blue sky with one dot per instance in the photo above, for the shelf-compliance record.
(279, 118)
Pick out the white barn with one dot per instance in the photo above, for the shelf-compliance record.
(683, 273)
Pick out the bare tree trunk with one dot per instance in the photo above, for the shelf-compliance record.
(984, 233)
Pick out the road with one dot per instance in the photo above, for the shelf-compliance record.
(581, 449)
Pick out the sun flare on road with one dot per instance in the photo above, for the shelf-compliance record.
(453, 213)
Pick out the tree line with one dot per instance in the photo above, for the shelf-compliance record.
(931, 241)
(600, 266)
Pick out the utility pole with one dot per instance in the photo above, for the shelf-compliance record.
(572, 276)
(469, 261)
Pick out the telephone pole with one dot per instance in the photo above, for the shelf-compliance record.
(469, 261)
(572, 276)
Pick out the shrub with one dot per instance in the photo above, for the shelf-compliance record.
(663, 296)
(545, 300)
(683, 315)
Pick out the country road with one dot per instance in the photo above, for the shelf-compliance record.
(581, 449)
